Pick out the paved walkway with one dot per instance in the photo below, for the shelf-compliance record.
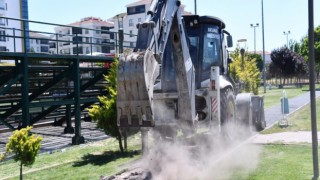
(273, 114)
(54, 138)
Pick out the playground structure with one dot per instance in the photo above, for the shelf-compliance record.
(45, 89)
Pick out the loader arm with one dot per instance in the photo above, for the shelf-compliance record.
(138, 71)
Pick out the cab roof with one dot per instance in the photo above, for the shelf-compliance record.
(205, 20)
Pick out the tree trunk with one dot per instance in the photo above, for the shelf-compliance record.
(120, 142)
(125, 140)
(21, 171)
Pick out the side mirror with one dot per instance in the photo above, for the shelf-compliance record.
(229, 41)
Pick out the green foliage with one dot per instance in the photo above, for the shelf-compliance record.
(246, 72)
(259, 60)
(304, 49)
(2, 156)
(24, 146)
(105, 114)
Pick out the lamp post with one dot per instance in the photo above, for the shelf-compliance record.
(314, 129)
(195, 7)
(254, 28)
(287, 34)
(242, 51)
(263, 55)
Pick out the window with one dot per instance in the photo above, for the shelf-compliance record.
(2, 5)
(2, 35)
(45, 49)
(87, 50)
(80, 50)
(44, 41)
(130, 33)
(105, 30)
(77, 39)
(3, 48)
(130, 22)
(2, 22)
(86, 31)
(136, 9)
(76, 30)
(97, 30)
(87, 40)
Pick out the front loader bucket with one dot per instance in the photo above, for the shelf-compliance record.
(136, 75)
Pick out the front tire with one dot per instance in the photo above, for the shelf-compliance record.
(228, 113)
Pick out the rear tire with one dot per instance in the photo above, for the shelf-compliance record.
(228, 113)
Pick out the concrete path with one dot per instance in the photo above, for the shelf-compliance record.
(273, 114)
(54, 138)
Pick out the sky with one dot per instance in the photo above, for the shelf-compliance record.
(279, 16)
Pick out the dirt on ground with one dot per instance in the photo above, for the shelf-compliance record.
(137, 173)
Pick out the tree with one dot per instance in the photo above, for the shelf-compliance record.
(248, 72)
(287, 64)
(24, 146)
(283, 59)
(258, 59)
(305, 49)
(105, 114)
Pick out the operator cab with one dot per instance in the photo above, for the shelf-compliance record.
(205, 39)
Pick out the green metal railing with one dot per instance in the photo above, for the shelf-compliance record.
(32, 91)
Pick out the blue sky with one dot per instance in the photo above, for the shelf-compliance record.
(280, 16)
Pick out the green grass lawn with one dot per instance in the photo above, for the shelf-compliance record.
(280, 161)
(88, 161)
(272, 97)
(298, 121)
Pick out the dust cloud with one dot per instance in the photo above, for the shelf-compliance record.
(205, 156)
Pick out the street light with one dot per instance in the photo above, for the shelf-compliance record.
(242, 44)
(195, 7)
(314, 129)
(287, 33)
(254, 27)
(263, 55)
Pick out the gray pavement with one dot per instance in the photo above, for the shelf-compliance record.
(273, 114)
(54, 138)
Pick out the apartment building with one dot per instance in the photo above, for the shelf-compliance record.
(39, 43)
(136, 13)
(89, 35)
(13, 9)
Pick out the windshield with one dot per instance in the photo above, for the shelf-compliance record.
(211, 47)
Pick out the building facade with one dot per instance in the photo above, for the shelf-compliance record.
(39, 43)
(90, 35)
(13, 9)
(136, 13)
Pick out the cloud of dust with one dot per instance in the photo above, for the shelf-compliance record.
(205, 157)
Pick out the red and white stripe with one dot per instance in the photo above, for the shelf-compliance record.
(214, 105)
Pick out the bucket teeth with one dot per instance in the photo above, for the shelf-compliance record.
(136, 75)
